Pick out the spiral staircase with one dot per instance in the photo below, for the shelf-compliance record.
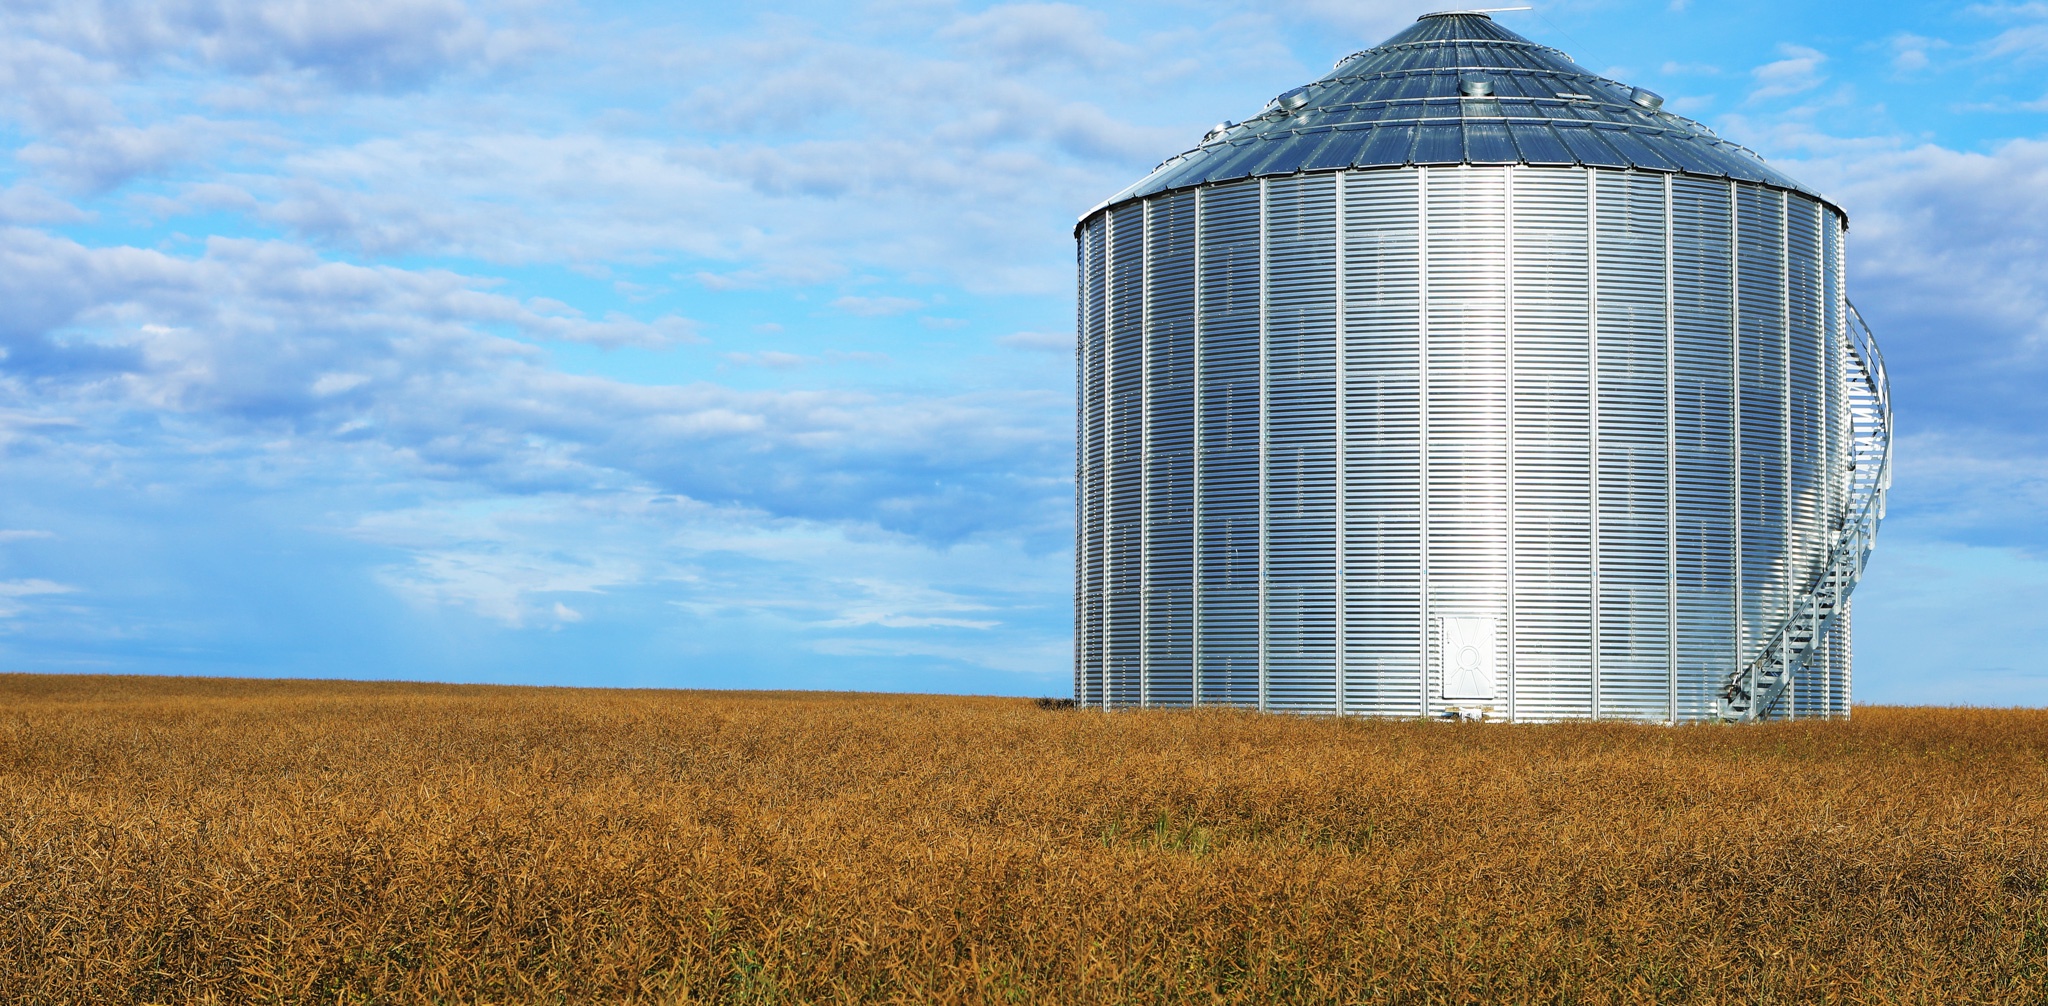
(1755, 690)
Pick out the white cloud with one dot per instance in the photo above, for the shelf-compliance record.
(366, 44)
(1026, 36)
(1910, 51)
(510, 560)
(1947, 237)
(877, 307)
(772, 359)
(1043, 342)
(258, 338)
(12, 591)
(1798, 71)
(337, 383)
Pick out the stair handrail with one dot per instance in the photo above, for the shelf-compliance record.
(1847, 555)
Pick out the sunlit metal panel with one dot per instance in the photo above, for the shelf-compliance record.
(1123, 636)
(1466, 459)
(1631, 334)
(1382, 588)
(1227, 496)
(1762, 425)
(1301, 444)
(1169, 435)
(1704, 352)
(1551, 441)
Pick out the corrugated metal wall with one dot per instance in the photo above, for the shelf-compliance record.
(1327, 419)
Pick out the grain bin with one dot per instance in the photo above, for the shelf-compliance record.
(1463, 381)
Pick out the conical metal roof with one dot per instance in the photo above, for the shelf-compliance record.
(1457, 88)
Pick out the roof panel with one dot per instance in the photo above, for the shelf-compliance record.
(1386, 146)
(1688, 154)
(1586, 147)
(1394, 104)
(1338, 150)
(1488, 143)
(1539, 143)
(1632, 147)
(1439, 143)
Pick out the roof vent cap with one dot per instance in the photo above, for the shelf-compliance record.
(1647, 98)
(1475, 87)
(1294, 99)
(1218, 130)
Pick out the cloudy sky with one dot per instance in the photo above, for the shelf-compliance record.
(730, 344)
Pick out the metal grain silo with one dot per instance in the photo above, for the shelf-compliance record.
(1465, 381)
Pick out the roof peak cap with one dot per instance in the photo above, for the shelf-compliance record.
(1485, 12)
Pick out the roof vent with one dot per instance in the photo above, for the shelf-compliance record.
(1218, 130)
(1293, 99)
(1647, 98)
(1475, 87)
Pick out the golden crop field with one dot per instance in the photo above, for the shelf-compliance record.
(182, 840)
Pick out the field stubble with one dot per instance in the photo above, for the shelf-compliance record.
(184, 840)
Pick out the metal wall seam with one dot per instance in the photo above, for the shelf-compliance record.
(1507, 296)
(1735, 399)
(1791, 574)
(1265, 415)
(1195, 505)
(1092, 339)
(1422, 430)
(1670, 458)
(1106, 523)
(1145, 460)
(1593, 500)
(1340, 373)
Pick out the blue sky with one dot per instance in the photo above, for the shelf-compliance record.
(730, 345)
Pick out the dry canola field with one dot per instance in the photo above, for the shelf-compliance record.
(231, 841)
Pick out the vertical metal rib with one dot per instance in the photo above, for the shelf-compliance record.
(1670, 336)
(1264, 465)
(1340, 667)
(1144, 543)
(1422, 179)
